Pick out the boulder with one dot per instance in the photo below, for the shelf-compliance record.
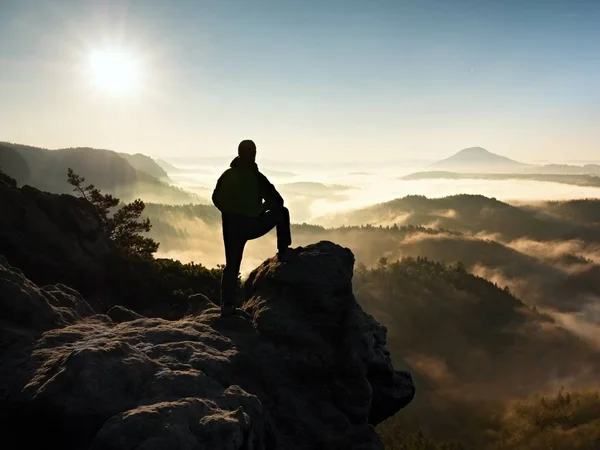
(25, 305)
(198, 303)
(121, 314)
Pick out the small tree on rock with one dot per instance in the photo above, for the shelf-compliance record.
(124, 226)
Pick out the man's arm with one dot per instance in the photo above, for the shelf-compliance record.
(268, 192)
(218, 194)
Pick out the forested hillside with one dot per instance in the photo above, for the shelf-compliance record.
(129, 177)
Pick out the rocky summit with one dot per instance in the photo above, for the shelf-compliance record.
(52, 237)
(300, 366)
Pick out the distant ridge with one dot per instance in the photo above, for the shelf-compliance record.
(123, 175)
(478, 159)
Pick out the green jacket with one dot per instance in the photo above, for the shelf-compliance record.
(241, 189)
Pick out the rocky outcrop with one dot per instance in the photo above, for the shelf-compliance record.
(309, 299)
(300, 367)
(52, 238)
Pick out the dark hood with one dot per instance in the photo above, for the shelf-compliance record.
(239, 163)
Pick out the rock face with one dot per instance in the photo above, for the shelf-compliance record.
(301, 367)
(51, 237)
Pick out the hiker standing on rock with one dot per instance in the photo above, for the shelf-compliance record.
(250, 207)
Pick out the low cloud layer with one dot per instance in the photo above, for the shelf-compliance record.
(545, 261)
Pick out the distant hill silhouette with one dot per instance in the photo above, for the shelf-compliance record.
(478, 159)
(167, 166)
(311, 188)
(146, 164)
(123, 175)
(471, 214)
(589, 169)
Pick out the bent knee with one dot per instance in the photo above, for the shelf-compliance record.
(279, 211)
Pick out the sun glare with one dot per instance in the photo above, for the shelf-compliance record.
(114, 71)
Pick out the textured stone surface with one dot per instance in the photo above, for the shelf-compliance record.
(302, 367)
(52, 238)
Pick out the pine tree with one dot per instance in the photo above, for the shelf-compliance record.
(124, 226)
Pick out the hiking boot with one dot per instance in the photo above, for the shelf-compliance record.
(227, 310)
(283, 254)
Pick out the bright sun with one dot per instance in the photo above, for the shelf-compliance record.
(114, 71)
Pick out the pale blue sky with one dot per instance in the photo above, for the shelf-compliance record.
(308, 79)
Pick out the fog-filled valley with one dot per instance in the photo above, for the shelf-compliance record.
(490, 290)
(489, 286)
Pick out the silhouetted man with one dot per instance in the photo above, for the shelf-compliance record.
(250, 207)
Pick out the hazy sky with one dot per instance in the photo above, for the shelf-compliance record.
(306, 79)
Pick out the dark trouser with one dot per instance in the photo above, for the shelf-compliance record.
(239, 229)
